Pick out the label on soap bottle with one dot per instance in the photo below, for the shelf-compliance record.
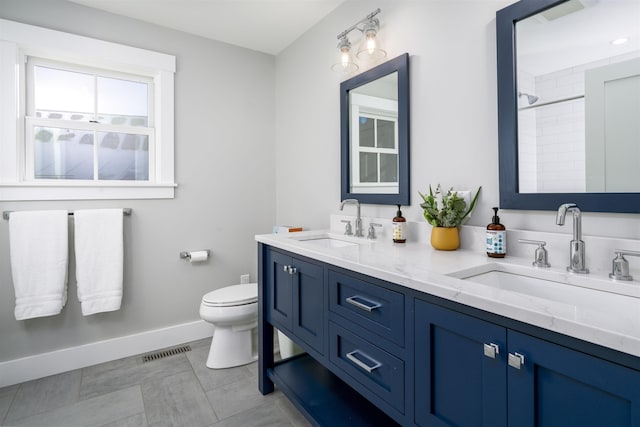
(399, 233)
(497, 242)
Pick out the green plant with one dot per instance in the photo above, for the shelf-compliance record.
(446, 210)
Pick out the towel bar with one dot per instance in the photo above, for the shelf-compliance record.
(6, 214)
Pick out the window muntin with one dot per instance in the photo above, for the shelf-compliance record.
(87, 124)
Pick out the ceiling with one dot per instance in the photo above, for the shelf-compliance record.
(267, 26)
(579, 35)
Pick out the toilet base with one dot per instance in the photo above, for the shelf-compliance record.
(230, 347)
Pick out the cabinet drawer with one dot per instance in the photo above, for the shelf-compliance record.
(378, 371)
(375, 308)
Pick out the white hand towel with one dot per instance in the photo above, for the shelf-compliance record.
(39, 251)
(99, 259)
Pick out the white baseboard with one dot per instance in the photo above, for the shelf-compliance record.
(68, 359)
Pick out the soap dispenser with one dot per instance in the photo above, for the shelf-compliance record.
(399, 227)
(496, 237)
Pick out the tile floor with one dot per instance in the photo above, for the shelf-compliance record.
(177, 390)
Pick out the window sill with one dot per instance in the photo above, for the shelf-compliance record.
(84, 191)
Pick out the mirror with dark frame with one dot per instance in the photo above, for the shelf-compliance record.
(568, 104)
(374, 134)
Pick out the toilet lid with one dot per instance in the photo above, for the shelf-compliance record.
(232, 295)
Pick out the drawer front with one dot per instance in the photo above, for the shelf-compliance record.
(378, 371)
(375, 308)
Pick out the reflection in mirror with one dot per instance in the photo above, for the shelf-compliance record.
(568, 104)
(375, 136)
(374, 140)
(578, 83)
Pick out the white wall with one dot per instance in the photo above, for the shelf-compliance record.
(454, 137)
(224, 137)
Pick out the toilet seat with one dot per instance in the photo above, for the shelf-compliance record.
(230, 296)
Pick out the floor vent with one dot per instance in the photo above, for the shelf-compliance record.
(165, 353)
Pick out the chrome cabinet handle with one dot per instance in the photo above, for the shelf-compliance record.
(288, 269)
(363, 303)
(490, 350)
(369, 368)
(516, 360)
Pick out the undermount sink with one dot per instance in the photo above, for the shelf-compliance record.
(569, 295)
(543, 284)
(330, 240)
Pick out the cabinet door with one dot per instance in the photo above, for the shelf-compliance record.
(557, 386)
(457, 381)
(309, 303)
(279, 290)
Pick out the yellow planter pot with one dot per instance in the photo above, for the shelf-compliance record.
(445, 238)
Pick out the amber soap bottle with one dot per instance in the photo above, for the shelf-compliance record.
(496, 237)
(399, 227)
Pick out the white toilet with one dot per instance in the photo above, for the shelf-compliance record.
(233, 310)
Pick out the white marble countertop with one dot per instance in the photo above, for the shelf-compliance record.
(605, 312)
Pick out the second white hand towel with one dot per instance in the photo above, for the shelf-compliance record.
(99, 259)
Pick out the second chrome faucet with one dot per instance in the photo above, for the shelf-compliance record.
(358, 227)
(576, 246)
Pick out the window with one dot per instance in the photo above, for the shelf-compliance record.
(85, 124)
(378, 149)
(87, 118)
(374, 143)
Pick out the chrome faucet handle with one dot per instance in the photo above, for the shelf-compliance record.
(620, 266)
(347, 228)
(541, 255)
(371, 234)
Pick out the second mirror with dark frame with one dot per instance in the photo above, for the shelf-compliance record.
(374, 134)
(567, 105)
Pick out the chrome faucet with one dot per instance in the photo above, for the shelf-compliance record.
(576, 246)
(358, 227)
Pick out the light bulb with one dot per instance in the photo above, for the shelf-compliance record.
(371, 43)
(345, 58)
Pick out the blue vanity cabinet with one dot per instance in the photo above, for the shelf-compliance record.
(296, 298)
(471, 372)
(382, 354)
(460, 369)
(558, 386)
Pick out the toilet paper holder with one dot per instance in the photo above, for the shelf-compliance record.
(187, 255)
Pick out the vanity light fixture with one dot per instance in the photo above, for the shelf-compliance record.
(370, 48)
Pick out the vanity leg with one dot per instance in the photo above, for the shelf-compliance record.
(265, 331)
(265, 355)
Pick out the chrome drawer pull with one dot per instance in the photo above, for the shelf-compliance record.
(375, 365)
(363, 304)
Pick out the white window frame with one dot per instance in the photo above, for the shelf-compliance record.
(374, 108)
(17, 42)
